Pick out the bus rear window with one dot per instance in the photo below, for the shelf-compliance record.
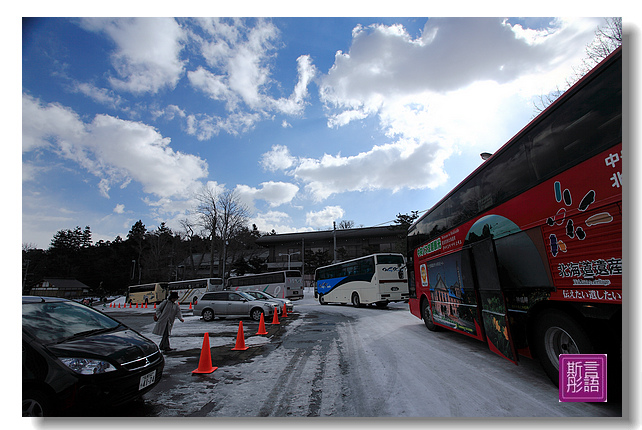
(390, 259)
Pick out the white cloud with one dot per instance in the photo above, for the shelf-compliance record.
(53, 120)
(112, 149)
(169, 113)
(274, 193)
(295, 104)
(239, 55)
(99, 95)
(278, 221)
(403, 164)
(213, 85)
(147, 54)
(452, 53)
(119, 209)
(205, 126)
(278, 158)
(464, 83)
(238, 74)
(324, 217)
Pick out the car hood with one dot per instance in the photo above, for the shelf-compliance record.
(269, 302)
(121, 346)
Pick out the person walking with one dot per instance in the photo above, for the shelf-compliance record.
(166, 313)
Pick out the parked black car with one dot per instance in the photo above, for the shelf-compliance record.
(76, 358)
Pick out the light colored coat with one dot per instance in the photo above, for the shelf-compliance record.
(167, 312)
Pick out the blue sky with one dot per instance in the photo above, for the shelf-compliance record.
(310, 120)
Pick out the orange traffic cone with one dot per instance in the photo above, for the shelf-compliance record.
(240, 339)
(275, 318)
(130, 305)
(262, 325)
(136, 305)
(190, 305)
(285, 312)
(118, 305)
(205, 362)
(145, 305)
(154, 305)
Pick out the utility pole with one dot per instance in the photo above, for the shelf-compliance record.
(289, 255)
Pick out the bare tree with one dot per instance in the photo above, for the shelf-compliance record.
(190, 234)
(233, 216)
(222, 215)
(345, 224)
(607, 39)
(207, 210)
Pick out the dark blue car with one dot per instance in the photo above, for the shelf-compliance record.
(76, 357)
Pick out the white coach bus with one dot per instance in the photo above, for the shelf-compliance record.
(189, 291)
(374, 279)
(285, 284)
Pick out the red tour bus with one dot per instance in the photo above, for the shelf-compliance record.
(526, 253)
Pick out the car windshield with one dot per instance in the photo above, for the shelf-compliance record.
(246, 295)
(52, 322)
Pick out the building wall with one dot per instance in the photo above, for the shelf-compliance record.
(350, 243)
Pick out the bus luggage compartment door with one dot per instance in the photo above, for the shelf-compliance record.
(493, 303)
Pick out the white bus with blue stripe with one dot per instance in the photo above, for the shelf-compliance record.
(374, 279)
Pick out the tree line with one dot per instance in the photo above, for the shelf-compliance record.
(108, 267)
(218, 228)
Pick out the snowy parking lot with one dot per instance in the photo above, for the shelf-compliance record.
(341, 361)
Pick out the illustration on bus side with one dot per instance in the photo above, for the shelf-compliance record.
(564, 230)
(452, 306)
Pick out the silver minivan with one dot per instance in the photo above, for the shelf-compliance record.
(234, 303)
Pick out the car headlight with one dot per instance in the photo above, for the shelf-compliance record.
(88, 366)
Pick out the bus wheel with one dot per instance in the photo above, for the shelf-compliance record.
(321, 300)
(208, 315)
(557, 333)
(356, 302)
(426, 314)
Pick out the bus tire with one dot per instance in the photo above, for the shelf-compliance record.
(356, 302)
(321, 301)
(426, 315)
(558, 333)
(208, 315)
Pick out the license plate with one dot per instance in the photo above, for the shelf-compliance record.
(147, 380)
